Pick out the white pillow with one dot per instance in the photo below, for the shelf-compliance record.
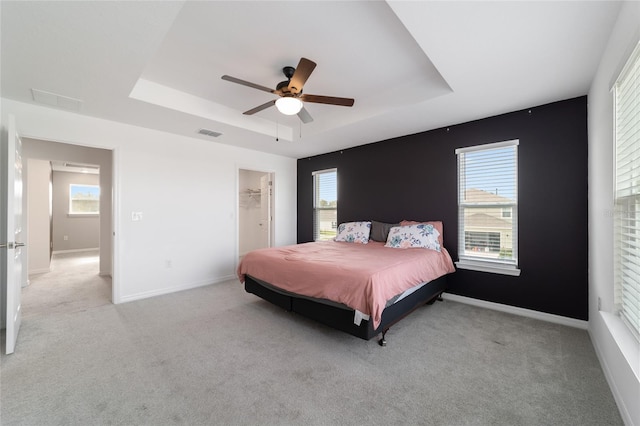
(420, 235)
(354, 232)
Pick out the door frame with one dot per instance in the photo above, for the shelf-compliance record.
(113, 223)
(272, 177)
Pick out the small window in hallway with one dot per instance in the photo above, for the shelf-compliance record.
(84, 199)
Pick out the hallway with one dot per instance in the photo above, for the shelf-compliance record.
(72, 285)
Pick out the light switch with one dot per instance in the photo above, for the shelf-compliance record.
(136, 216)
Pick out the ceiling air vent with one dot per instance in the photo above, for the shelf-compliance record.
(56, 100)
(208, 132)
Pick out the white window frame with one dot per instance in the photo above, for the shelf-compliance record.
(316, 207)
(77, 214)
(627, 193)
(480, 263)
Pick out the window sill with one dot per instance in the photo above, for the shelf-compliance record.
(625, 339)
(488, 267)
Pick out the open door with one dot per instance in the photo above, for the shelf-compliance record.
(266, 192)
(12, 247)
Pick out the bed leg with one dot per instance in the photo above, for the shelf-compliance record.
(436, 298)
(383, 340)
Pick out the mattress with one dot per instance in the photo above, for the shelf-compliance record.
(362, 277)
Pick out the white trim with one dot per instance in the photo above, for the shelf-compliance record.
(495, 145)
(625, 339)
(618, 331)
(114, 234)
(169, 290)
(542, 316)
(272, 211)
(316, 209)
(478, 263)
(495, 268)
(39, 271)
(77, 250)
(319, 172)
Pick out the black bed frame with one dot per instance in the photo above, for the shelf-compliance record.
(341, 317)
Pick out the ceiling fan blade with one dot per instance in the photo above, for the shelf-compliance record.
(247, 83)
(303, 71)
(304, 116)
(331, 100)
(260, 107)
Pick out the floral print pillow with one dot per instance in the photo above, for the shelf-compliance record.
(420, 235)
(354, 232)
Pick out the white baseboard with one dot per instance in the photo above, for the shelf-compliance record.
(75, 250)
(39, 271)
(556, 319)
(168, 290)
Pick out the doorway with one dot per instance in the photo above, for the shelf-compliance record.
(69, 226)
(63, 217)
(255, 210)
(72, 285)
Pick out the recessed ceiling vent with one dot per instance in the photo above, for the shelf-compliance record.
(208, 132)
(55, 100)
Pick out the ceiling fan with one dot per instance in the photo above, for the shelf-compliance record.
(291, 97)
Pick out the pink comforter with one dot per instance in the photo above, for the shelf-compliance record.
(361, 276)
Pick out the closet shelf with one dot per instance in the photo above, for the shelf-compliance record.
(251, 192)
(250, 197)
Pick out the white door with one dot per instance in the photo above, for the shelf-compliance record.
(265, 210)
(13, 245)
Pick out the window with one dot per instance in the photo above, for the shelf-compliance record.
(325, 204)
(488, 207)
(84, 199)
(627, 193)
(487, 242)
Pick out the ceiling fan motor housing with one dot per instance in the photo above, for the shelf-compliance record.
(283, 86)
(288, 72)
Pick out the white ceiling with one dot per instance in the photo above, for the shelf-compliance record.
(410, 65)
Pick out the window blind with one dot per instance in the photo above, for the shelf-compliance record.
(325, 204)
(488, 204)
(627, 192)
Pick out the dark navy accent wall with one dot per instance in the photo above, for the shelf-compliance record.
(414, 177)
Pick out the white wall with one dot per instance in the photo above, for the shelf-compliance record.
(186, 190)
(616, 348)
(39, 220)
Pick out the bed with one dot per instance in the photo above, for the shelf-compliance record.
(370, 277)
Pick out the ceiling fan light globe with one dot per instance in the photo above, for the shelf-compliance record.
(289, 105)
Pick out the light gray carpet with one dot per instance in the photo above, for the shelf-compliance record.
(72, 285)
(217, 355)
